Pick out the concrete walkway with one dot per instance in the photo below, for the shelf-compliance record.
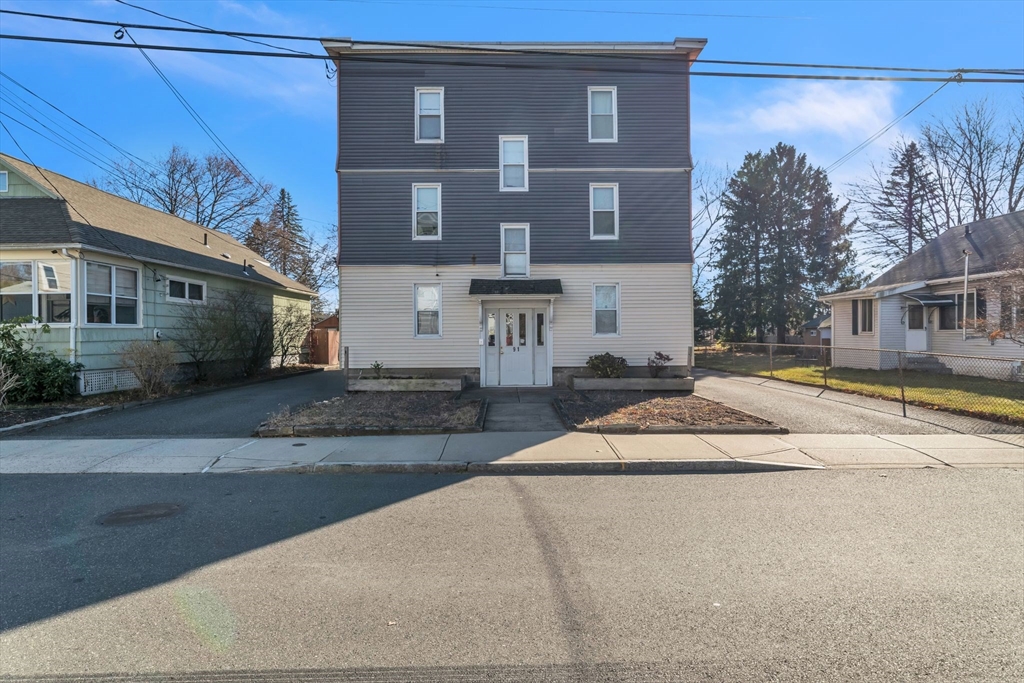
(509, 452)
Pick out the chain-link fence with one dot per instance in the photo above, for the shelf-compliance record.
(989, 388)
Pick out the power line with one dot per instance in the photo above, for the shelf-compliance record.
(885, 129)
(485, 49)
(503, 65)
(46, 137)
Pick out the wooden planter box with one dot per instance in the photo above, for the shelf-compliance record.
(631, 383)
(405, 384)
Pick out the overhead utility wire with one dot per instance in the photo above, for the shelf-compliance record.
(505, 65)
(46, 137)
(491, 50)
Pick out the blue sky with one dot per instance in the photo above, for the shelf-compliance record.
(278, 115)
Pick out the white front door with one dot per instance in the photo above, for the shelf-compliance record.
(917, 328)
(515, 351)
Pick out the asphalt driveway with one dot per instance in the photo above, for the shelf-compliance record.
(221, 414)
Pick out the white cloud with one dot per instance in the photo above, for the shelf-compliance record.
(845, 109)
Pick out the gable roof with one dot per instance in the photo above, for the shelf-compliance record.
(815, 323)
(111, 223)
(990, 241)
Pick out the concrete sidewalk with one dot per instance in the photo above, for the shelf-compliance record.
(510, 452)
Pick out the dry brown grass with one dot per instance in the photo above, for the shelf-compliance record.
(646, 409)
(385, 409)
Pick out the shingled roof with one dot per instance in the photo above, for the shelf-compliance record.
(114, 224)
(991, 242)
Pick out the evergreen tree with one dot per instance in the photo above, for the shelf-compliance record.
(785, 240)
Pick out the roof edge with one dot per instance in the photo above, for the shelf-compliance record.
(340, 46)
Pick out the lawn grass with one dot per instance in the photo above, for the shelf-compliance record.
(977, 396)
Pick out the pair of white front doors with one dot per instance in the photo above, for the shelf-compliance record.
(518, 337)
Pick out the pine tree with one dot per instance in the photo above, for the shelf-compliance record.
(785, 240)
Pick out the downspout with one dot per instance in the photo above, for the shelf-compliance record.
(967, 260)
(75, 292)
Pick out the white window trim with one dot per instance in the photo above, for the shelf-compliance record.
(427, 238)
(615, 187)
(36, 313)
(440, 311)
(861, 318)
(416, 114)
(618, 308)
(504, 276)
(501, 163)
(960, 317)
(5, 186)
(84, 298)
(615, 112)
(186, 300)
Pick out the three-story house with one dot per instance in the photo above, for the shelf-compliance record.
(507, 211)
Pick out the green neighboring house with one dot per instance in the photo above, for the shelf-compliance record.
(102, 271)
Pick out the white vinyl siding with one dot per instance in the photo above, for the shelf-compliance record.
(376, 309)
(604, 211)
(891, 322)
(602, 114)
(513, 163)
(430, 115)
(426, 211)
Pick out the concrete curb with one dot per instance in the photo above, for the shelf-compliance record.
(56, 419)
(311, 431)
(539, 467)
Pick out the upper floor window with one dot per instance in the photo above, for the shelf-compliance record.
(514, 163)
(111, 295)
(604, 211)
(515, 250)
(426, 218)
(3, 181)
(603, 114)
(429, 114)
(187, 291)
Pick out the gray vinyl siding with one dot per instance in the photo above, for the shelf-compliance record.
(376, 218)
(549, 104)
(891, 323)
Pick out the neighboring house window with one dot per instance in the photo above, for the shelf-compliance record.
(38, 289)
(426, 218)
(514, 163)
(3, 181)
(428, 310)
(813, 333)
(604, 211)
(429, 114)
(515, 250)
(606, 309)
(603, 113)
(111, 295)
(188, 291)
(863, 315)
(952, 318)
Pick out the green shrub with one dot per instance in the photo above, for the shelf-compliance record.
(41, 376)
(607, 365)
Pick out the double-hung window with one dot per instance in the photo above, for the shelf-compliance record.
(427, 302)
(430, 115)
(604, 211)
(514, 163)
(515, 250)
(602, 110)
(3, 181)
(111, 295)
(186, 291)
(863, 316)
(426, 215)
(606, 309)
(36, 288)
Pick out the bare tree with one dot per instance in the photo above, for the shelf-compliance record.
(201, 334)
(291, 326)
(211, 191)
(709, 186)
(1009, 286)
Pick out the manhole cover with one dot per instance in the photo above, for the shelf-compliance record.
(140, 514)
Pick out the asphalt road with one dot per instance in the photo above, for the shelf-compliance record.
(809, 576)
(220, 414)
(801, 410)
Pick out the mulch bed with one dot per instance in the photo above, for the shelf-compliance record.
(17, 416)
(648, 409)
(422, 409)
